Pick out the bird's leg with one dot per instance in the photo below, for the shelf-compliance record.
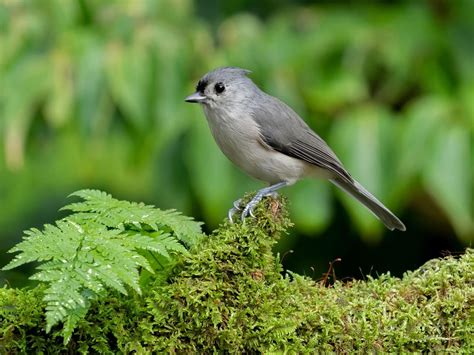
(273, 194)
(234, 210)
(266, 191)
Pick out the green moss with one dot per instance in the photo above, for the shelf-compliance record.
(230, 295)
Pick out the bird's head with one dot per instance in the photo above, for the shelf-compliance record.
(223, 87)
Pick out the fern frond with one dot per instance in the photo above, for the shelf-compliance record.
(117, 213)
(66, 300)
(58, 242)
(61, 298)
(100, 248)
(185, 228)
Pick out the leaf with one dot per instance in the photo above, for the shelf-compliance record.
(99, 248)
(60, 104)
(130, 80)
(423, 121)
(90, 94)
(21, 88)
(60, 297)
(449, 177)
(115, 213)
(56, 242)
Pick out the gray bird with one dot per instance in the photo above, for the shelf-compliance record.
(270, 142)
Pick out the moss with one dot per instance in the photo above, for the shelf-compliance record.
(230, 295)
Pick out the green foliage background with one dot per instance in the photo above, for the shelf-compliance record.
(91, 95)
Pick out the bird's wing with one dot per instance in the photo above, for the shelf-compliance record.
(284, 131)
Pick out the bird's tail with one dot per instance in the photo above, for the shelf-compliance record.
(357, 191)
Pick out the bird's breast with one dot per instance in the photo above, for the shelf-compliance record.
(239, 139)
(235, 135)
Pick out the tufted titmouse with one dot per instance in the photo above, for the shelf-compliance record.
(270, 142)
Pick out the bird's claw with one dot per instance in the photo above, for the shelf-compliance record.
(248, 210)
(237, 204)
(234, 210)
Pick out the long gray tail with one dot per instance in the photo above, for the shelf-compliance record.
(368, 200)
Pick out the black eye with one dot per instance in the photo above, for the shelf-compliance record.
(219, 87)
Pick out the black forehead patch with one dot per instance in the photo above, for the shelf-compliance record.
(201, 86)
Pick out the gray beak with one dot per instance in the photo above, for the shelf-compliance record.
(196, 97)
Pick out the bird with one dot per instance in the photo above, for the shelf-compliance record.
(269, 141)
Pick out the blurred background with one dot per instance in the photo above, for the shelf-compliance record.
(92, 96)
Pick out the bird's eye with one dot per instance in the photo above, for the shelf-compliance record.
(219, 87)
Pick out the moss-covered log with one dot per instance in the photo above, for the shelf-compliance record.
(231, 295)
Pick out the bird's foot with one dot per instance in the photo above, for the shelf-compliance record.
(272, 194)
(248, 209)
(234, 210)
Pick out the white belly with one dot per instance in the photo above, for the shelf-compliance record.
(239, 140)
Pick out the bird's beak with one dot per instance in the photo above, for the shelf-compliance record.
(196, 97)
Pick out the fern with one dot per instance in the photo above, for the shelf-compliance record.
(99, 248)
(113, 213)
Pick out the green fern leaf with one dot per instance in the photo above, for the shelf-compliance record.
(185, 228)
(74, 316)
(161, 244)
(56, 242)
(100, 247)
(115, 213)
